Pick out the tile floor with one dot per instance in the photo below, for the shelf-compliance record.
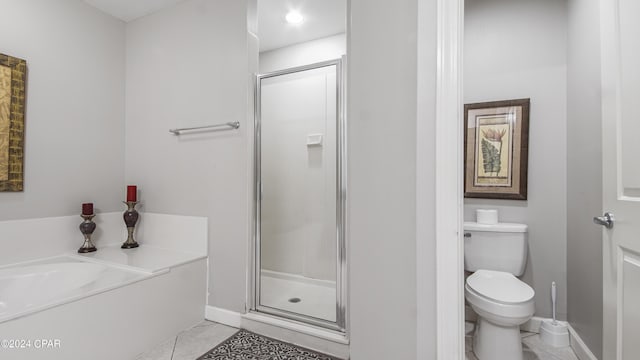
(190, 344)
(533, 348)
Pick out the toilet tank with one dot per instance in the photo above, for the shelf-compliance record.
(500, 247)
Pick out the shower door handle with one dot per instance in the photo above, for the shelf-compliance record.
(606, 220)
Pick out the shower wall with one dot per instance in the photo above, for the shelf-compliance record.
(309, 52)
(298, 218)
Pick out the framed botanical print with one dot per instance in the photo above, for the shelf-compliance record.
(13, 73)
(496, 148)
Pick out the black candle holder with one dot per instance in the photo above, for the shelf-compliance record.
(130, 219)
(86, 228)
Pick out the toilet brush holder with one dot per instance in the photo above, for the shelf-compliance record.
(553, 333)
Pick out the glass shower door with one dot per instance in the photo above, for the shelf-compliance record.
(299, 208)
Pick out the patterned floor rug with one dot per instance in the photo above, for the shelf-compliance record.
(245, 345)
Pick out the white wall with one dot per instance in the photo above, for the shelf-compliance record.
(518, 49)
(74, 136)
(584, 174)
(314, 51)
(383, 102)
(426, 312)
(298, 217)
(188, 66)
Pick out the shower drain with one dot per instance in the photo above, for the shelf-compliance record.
(295, 300)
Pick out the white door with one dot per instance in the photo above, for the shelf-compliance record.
(620, 50)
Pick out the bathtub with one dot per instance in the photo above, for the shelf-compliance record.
(28, 288)
(112, 304)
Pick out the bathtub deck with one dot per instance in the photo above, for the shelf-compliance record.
(144, 258)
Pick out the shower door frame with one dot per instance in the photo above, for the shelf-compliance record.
(340, 325)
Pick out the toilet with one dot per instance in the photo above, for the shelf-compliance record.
(496, 254)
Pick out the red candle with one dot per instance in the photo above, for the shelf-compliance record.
(87, 209)
(132, 195)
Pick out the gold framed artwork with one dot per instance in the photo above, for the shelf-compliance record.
(13, 73)
(496, 149)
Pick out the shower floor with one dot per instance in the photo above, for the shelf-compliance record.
(317, 298)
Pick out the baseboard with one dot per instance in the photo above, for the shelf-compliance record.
(222, 316)
(533, 325)
(579, 347)
(577, 344)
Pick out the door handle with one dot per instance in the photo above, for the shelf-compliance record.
(606, 220)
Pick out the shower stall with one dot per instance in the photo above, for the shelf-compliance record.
(300, 187)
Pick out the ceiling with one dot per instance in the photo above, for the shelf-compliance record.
(128, 10)
(322, 18)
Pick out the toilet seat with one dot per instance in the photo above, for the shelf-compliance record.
(500, 297)
(500, 287)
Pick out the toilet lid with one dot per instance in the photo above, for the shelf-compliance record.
(500, 286)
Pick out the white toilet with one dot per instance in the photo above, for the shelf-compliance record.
(496, 254)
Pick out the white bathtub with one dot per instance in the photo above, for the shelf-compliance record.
(112, 304)
(25, 288)
(39, 285)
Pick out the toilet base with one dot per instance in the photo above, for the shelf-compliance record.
(495, 342)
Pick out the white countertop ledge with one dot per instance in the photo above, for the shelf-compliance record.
(145, 258)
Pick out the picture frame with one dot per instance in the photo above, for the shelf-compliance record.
(496, 149)
(13, 73)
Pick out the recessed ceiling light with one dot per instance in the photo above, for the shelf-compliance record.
(294, 17)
